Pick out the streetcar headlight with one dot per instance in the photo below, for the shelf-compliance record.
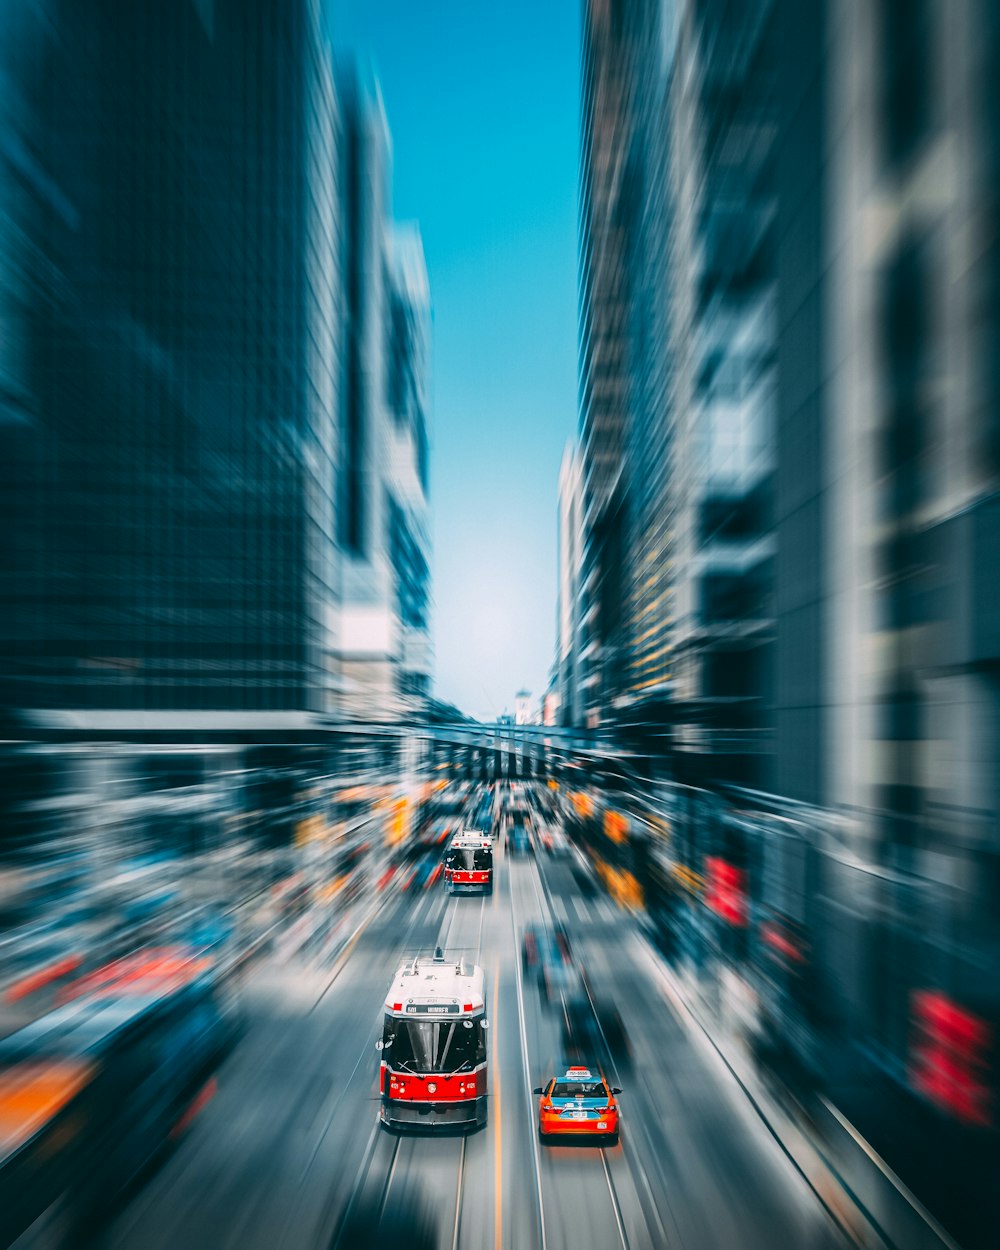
(431, 1087)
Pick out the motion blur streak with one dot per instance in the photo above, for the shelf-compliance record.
(697, 947)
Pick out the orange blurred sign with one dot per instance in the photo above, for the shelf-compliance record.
(583, 804)
(310, 829)
(399, 824)
(616, 826)
(32, 1093)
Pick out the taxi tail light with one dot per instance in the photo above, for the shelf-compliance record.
(397, 1006)
(467, 1006)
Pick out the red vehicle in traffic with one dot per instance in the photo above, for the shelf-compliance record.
(468, 865)
(432, 1074)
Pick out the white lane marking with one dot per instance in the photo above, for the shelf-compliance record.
(559, 908)
(581, 909)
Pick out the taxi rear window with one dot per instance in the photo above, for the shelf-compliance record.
(578, 1089)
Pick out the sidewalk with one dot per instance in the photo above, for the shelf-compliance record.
(865, 1149)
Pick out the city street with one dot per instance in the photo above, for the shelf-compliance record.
(499, 664)
(290, 1142)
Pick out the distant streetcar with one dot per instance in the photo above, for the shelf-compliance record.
(468, 864)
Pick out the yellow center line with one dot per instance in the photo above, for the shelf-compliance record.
(497, 1135)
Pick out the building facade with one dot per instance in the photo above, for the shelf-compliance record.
(677, 376)
(722, 273)
(887, 704)
(170, 407)
(790, 268)
(566, 676)
(384, 635)
(604, 380)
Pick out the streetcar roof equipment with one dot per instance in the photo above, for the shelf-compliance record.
(436, 986)
(470, 838)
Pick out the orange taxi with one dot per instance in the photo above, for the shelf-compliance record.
(578, 1103)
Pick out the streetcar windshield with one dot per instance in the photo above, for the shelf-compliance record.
(434, 1045)
(465, 859)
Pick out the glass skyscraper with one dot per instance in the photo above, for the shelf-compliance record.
(168, 420)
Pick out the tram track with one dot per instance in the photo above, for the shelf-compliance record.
(406, 1153)
(640, 1179)
(527, 1081)
(616, 1206)
(376, 1135)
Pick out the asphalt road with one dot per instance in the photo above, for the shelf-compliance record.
(290, 1145)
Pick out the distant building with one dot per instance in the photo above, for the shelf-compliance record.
(552, 707)
(523, 708)
(569, 602)
(384, 640)
(408, 476)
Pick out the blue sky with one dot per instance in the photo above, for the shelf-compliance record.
(483, 105)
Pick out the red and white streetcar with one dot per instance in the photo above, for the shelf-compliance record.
(432, 1073)
(468, 864)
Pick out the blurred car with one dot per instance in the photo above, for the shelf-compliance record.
(594, 1027)
(423, 873)
(541, 944)
(519, 841)
(546, 955)
(583, 875)
(483, 819)
(91, 1092)
(578, 1103)
(554, 841)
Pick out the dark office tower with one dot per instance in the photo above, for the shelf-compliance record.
(622, 656)
(647, 680)
(169, 440)
(722, 273)
(604, 323)
(677, 375)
